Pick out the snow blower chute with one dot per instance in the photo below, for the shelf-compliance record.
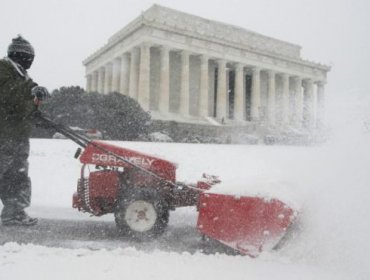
(140, 190)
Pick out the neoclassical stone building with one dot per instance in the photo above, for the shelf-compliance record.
(186, 68)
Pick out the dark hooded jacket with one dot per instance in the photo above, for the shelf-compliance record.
(15, 101)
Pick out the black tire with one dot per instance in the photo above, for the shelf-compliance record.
(141, 213)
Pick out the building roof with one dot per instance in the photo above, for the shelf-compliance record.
(213, 31)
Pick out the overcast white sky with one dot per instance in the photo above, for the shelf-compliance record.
(65, 32)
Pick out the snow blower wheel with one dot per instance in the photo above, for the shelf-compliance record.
(141, 213)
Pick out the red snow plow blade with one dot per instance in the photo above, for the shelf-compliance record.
(249, 225)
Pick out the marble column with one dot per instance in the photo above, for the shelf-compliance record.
(89, 80)
(320, 104)
(116, 69)
(271, 98)
(133, 82)
(204, 87)
(309, 104)
(256, 94)
(298, 92)
(239, 100)
(101, 80)
(285, 100)
(185, 75)
(94, 86)
(144, 77)
(221, 106)
(124, 74)
(164, 80)
(211, 85)
(108, 78)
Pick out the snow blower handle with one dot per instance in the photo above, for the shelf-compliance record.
(84, 141)
(66, 131)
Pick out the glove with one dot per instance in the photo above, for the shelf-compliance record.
(39, 93)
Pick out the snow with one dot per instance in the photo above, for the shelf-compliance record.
(328, 183)
(57, 263)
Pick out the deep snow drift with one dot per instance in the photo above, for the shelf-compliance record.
(329, 183)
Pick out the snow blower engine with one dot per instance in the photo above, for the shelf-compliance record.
(141, 190)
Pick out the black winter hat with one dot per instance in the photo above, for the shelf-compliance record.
(20, 45)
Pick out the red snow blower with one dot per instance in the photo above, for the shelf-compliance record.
(140, 190)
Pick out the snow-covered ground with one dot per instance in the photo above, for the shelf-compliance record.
(329, 183)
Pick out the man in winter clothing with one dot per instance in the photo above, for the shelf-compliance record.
(18, 96)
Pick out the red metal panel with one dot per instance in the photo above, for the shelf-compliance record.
(203, 185)
(103, 184)
(247, 224)
(102, 192)
(93, 155)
